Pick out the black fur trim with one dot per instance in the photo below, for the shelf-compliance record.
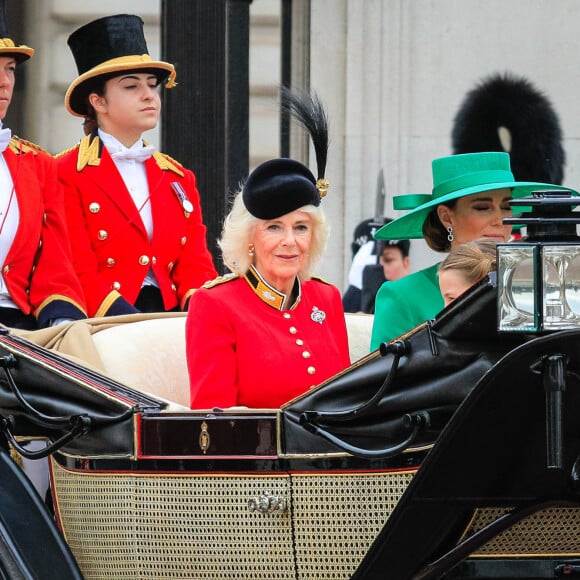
(505, 100)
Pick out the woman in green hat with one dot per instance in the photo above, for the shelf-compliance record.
(470, 199)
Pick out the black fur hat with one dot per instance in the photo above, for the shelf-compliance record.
(507, 113)
(280, 186)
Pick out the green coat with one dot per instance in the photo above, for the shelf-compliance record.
(403, 304)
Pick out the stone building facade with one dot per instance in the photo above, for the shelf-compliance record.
(391, 72)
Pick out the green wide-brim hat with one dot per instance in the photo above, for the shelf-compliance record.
(457, 176)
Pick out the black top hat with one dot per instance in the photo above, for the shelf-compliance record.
(7, 46)
(106, 47)
(280, 186)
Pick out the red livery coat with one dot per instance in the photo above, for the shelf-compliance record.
(38, 269)
(111, 248)
(241, 350)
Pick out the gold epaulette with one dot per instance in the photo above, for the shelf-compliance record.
(57, 155)
(220, 280)
(320, 279)
(89, 152)
(19, 145)
(168, 163)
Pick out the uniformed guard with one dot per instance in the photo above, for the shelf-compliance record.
(270, 330)
(134, 214)
(38, 285)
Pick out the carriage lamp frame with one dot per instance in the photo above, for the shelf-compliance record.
(537, 280)
(539, 276)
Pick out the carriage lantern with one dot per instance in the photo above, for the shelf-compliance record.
(539, 276)
(539, 290)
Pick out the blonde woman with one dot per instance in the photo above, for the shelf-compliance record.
(270, 330)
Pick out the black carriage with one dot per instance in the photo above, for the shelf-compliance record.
(452, 452)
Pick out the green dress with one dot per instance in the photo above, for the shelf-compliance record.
(403, 304)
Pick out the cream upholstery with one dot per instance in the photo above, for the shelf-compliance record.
(149, 355)
(359, 328)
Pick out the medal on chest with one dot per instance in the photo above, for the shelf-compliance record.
(317, 315)
(182, 196)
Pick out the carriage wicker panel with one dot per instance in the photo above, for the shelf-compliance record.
(199, 526)
(163, 526)
(551, 532)
(337, 517)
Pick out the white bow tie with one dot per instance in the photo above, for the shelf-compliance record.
(136, 154)
(5, 136)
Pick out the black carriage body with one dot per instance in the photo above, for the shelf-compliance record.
(396, 468)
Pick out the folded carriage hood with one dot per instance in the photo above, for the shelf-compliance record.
(44, 394)
(431, 370)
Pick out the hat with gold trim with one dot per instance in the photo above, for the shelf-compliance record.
(105, 48)
(8, 47)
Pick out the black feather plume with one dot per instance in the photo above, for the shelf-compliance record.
(308, 110)
(507, 113)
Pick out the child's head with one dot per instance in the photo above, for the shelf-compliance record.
(465, 265)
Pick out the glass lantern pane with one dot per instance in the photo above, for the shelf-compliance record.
(561, 280)
(517, 294)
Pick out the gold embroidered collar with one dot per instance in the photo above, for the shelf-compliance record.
(91, 150)
(269, 294)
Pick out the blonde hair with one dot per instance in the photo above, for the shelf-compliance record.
(239, 227)
(473, 260)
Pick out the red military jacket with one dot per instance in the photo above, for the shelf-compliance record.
(244, 349)
(38, 269)
(111, 248)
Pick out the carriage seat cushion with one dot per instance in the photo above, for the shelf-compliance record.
(149, 355)
(359, 328)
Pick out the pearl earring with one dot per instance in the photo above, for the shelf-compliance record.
(450, 236)
(251, 249)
